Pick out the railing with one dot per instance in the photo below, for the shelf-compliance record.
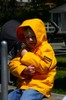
(49, 27)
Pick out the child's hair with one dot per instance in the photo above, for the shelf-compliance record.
(26, 28)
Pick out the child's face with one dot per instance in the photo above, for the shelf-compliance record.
(30, 37)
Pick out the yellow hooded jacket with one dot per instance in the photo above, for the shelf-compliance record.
(42, 57)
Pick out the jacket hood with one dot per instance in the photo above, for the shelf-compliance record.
(37, 26)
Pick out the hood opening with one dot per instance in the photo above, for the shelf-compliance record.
(37, 26)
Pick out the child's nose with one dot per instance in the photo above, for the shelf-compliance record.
(30, 39)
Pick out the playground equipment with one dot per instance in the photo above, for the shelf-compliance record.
(4, 71)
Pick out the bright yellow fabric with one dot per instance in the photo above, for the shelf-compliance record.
(42, 57)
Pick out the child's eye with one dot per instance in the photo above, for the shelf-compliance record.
(27, 37)
(33, 37)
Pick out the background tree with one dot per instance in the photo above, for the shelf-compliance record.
(10, 9)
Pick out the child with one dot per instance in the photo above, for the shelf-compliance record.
(36, 65)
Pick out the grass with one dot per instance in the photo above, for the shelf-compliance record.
(60, 79)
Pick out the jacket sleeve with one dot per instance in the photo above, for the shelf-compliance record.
(16, 67)
(42, 64)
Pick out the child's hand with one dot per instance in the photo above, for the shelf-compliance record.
(30, 70)
(23, 52)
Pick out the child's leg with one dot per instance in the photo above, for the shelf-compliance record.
(31, 95)
(14, 95)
